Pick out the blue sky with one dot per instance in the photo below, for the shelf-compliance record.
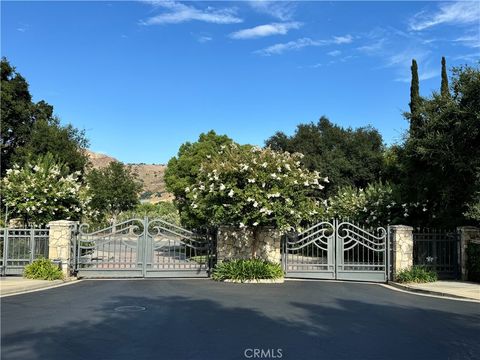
(144, 77)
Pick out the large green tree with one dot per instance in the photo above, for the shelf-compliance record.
(182, 171)
(414, 116)
(347, 156)
(113, 189)
(441, 159)
(31, 130)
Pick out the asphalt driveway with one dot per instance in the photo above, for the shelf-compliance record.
(202, 319)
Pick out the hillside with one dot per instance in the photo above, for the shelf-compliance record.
(151, 176)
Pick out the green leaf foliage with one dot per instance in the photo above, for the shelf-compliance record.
(44, 191)
(247, 186)
(416, 274)
(346, 156)
(246, 269)
(182, 171)
(113, 189)
(30, 130)
(441, 159)
(43, 269)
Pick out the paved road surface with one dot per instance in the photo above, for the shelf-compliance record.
(201, 319)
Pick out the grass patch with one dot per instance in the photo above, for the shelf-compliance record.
(247, 269)
(416, 274)
(43, 269)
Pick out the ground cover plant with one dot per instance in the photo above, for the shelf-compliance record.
(43, 269)
(247, 269)
(416, 274)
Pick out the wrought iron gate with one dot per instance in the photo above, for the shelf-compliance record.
(142, 248)
(337, 250)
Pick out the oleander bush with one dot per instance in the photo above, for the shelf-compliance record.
(416, 274)
(247, 269)
(42, 269)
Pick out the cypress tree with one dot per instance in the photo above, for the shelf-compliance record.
(444, 91)
(415, 120)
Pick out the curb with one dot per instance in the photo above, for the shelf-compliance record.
(28, 289)
(428, 292)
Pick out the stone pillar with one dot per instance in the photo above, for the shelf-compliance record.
(402, 246)
(60, 243)
(235, 243)
(467, 235)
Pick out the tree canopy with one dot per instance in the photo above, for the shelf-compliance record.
(347, 156)
(31, 130)
(183, 169)
(442, 159)
(113, 189)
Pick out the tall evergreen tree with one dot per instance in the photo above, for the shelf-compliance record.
(444, 91)
(415, 119)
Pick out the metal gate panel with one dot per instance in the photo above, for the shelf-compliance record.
(20, 247)
(337, 250)
(141, 248)
(361, 254)
(311, 254)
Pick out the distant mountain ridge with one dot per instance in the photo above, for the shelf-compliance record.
(151, 176)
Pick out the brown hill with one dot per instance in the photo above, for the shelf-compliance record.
(151, 176)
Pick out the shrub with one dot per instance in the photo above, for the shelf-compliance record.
(416, 274)
(473, 261)
(42, 269)
(247, 269)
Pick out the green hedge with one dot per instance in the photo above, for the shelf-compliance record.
(416, 274)
(473, 262)
(246, 269)
(42, 269)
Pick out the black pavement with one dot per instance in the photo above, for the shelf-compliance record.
(202, 319)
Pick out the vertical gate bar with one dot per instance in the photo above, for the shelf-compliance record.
(387, 265)
(335, 246)
(32, 244)
(145, 236)
(5, 251)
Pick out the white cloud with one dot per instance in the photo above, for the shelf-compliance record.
(425, 75)
(179, 13)
(282, 10)
(334, 53)
(265, 30)
(301, 43)
(204, 39)
(347, 39)
(472, 41)
(461, 12)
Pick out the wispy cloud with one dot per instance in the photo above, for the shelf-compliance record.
(302, 43)
(472, 41)
(461, 12)
(281, 10)
(179, 13)
(347, 39)
(423, 75)
(334, 53)
(265, 30)
(204, 39)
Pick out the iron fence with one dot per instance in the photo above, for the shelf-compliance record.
(437, 250)
(19, 247)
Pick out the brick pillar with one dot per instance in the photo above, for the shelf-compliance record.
(60, 243)
(402, 246)
(467, 234)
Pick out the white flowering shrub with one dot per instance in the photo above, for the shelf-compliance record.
(41, 192)
(376, 205)
(248, 186)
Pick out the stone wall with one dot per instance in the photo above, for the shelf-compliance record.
(402, 246)
(235, 243)
(467, 235)
(60, 243)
